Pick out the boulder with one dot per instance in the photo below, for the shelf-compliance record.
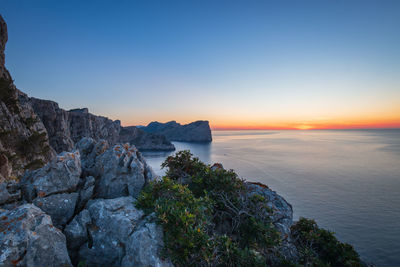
(61, 175)
(60, 207)
(28, 238)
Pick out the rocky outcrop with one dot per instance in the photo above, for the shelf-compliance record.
(28, 238)
(23, 137)
(119, 171)
(113, 232)
(198, 131)
(65, 128)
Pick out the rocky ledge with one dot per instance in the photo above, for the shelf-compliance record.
(198, 131)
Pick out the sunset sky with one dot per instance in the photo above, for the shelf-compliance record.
(238, 64)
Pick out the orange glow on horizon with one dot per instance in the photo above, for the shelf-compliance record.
(311, 126)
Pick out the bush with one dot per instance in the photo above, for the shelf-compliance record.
(184, 217)
(319, 247)
(210, 219)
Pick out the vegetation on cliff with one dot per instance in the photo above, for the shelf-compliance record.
(210, 218)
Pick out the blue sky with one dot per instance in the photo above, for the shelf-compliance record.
(249, 63)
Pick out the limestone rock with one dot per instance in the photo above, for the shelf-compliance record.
(60, 207)
(56, 122)
(28, 238)
(86, 192)
(112, 222)
(144, 247)
(61, 175)
(23, 137)
(121, 172)
(198, 131)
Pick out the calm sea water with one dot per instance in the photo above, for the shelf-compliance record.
(347, 180)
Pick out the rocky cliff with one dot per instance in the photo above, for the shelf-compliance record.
(198, 131)
(65, 128)
(23, 137)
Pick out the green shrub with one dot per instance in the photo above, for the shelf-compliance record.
(319, 247)
(184, 217)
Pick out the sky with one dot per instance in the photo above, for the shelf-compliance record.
(239, 64)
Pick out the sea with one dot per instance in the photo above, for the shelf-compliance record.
(347, 180)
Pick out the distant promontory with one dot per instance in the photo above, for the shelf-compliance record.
(198, 131)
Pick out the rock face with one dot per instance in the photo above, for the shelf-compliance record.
(198, 131)
(65, 128)
(120, 170)
(23, 137)
(28, 238)
(112, 232)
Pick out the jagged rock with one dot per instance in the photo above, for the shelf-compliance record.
(198, 131)
(60, 207)
(113, 221)
(143, 140)
(121, 172)
(61, 175)
(4, 74)
(68, 127)
(86, 192)
(89, 150)
(144, 247)
(56, 122)
(28, 238)
(23, 137)
(76, 230)
(9, 192)
(84, 124)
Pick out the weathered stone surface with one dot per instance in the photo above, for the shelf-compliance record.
(76, 230)
(56, 122)
(3, 40)
(9, 192)
(89, 150)
(86, 192)
(68, 127)
(112, 222)
(144, 247)
(61, 175)
(121, 172)
(60, 207)
(28, 238)
(198, 131)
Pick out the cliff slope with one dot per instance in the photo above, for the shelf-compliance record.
(65, 128)
(23, 137)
